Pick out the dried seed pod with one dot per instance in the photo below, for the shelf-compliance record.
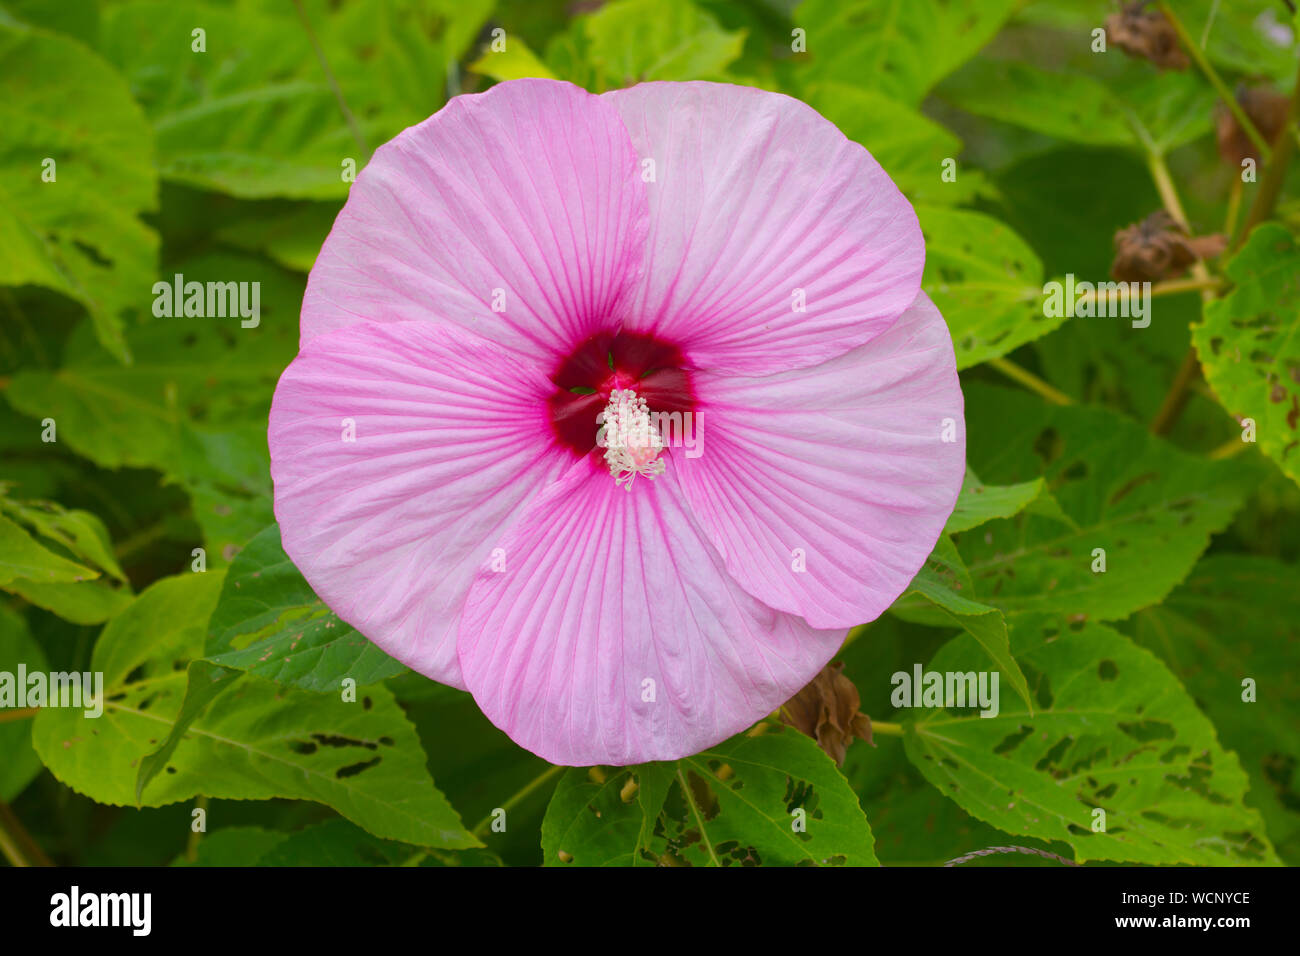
(1146, 34)
(1159, 248)
(1263, 106)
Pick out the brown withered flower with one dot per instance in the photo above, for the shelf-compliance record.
(1263, 106)
(1147, 35)
(827, 711)
(1159, 248)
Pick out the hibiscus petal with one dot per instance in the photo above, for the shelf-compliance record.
(530, 188)
(604, 591)
(451, 442)
(756, 196)
(842, 468)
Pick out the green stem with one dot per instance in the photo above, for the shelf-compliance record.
(1168, 191)
(1270, 188)
(1234, 207)
(1175, 286)
(886, 728)
(1233, 446)
(519, 796)
(128, 547)
(1216, 81)
(334, 84)
(699, 817)
(16, 844)
(1031, 381)
(1176, 398)
(192, 844)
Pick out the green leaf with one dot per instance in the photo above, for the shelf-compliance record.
(943, 584)
(256, 741)
(1113, 730)
(913, 823)
(20, 764)
(1148, 506)
(985, 280)
(910, 146)
(1168, 108)
(339, 843)
(23, 559)
(253, 114)
(478, 767)
(734, 804)
(79, 234)
(77, 18)
(291, 238)
(1052, 200)
(269, 622)
(1235, 618)
(233, 846)
(1249, 343)
(204, 683)
(606, 817)
(334, 843)
(1246, 36)
(227, 473)
(515, 62)
(63, 563)
(186, 369)
(630, 41)
(80, 532)
(978, 502)
(901, 47)
(1069, 106)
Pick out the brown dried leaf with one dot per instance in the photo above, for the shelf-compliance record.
(827, 711)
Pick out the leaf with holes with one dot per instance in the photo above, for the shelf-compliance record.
(605, 816)
(1249, 343)
(1232, 621)
(985, 280)
(774, 799)
(269, 622)
(904, 47)
(938, 597)
(256, 741)
(1142, 511)
(1116, 761)
(74, 179)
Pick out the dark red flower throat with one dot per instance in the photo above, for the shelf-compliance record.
(654, 369)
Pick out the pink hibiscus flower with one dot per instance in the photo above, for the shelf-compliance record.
(618, 411)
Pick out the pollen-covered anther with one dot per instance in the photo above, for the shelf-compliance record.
(632, 440)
